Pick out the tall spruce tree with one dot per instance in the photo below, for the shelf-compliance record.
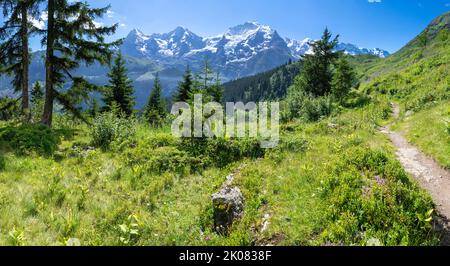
(155, 110)
(343, 79)
(184, 92)
(215, 91)
(317, 73)
(120, 89)
(205, 76)
(14, 50)
(73, 36)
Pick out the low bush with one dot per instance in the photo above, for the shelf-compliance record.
(109, 129)
(299, 105)
(161, 160)
(356, 99)
(158, 140)
(371, 200)
(221, 151)
(294, 143)
(29, 138)
(316, 109)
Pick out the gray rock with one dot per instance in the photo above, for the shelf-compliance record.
(228, 206)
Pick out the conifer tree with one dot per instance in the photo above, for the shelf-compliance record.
(155, 110)
(14, 50)
(37, 93)
(184, 92)
(317, 74)
(205, 76)
(343, 79)
(215, 91)
(73, 36)
(37, 100)
(120, 89)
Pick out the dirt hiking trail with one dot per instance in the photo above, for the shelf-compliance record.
(428, 174)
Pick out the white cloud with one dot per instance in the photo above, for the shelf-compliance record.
(374, 1)
(110, 14)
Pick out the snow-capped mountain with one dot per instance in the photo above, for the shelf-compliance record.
(352, 49)
(242, 50)
(300, 48)
(238, 44)
(158, 46)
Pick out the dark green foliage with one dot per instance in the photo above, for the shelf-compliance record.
(269, 85)
(309, 97)
(72, 37)
(37, 101)
(300, 105)
(109, 129)
(2, 162)
(343, 79)
(37, 93)
(120, 89)
(184, 92)
(317, 74)
(221, 152)
(30, 138)
(163, 159)
(14, 49)
(9, 108)
(155, 110)
(314, 109)
(356, 99)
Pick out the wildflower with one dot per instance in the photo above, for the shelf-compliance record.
(380, 181)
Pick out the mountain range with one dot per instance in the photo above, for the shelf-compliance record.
(241, 51)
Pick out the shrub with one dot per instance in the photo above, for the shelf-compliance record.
(316, 109)
(9, 108)
(109, 128)
(158, 140)
(221, 151)
(30, 138)
(2, 162)
(299, 105)
(161, 160)
(356, 99)
(371, 198)
(294, 143)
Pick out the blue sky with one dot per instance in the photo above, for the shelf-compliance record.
(387, 24)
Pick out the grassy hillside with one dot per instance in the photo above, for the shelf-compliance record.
(418, 78)
(154, 190)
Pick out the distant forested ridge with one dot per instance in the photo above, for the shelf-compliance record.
(268, 85)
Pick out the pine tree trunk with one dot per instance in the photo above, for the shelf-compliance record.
(25, 64)
(47, 116)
